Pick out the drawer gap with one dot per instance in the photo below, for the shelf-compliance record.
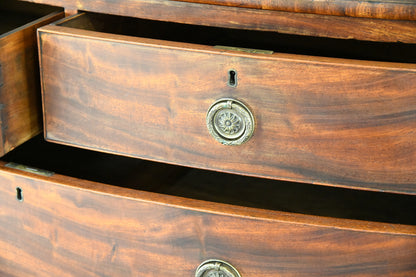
(14, 14)
(215, 36)
(214, 186)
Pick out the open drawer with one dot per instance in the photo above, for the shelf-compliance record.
(20, 105)
(69, 219)
(203, 97)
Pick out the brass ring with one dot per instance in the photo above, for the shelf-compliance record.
(219, 268)
(230, 122)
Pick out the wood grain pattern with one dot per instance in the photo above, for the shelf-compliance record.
(390, 9)
(384, 9)
(252, 19)
(326, 121)
(276, 195)
(20, 106)
(70, 227)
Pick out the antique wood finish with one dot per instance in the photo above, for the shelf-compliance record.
(71, 227)
(390, 9)
(320, 120)
(20, 111)
(299, 198)
(348, 123)
(253, 19)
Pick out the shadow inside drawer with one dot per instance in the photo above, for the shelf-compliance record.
(14, 14)
(214, 186)
(239, 38)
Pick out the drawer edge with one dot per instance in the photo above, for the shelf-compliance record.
(147, 42)
(210, 207)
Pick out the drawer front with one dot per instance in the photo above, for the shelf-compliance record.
(370, 20)
(381, 9)
(63, 226)
(20, 106)
(325, 121)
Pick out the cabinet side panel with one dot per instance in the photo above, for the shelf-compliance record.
(20, 88)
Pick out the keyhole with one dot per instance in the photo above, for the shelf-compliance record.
(19, 194)
(232, 78)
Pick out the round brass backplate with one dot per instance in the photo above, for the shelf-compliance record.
(216, 268)
(230, 122)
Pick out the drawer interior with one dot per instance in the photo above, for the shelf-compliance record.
(220, 37)
(216, 187)
(14, 14)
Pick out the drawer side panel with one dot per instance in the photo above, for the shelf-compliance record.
(20, 105)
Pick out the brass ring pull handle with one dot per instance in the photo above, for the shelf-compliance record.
(230, 122)
(214, 268)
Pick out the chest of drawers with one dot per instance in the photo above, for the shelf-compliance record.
(247, 138)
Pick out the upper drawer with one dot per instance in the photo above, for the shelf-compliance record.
(73, 223)
(396, 9)
(345, 122)
(20, 107)
(383, 20)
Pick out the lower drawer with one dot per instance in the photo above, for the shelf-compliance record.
(163, 220)
(20, 105)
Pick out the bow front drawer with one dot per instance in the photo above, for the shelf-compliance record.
(325, 111)
(86, 213)
(20, 107)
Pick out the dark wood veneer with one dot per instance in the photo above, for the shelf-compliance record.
(70, 226)
(253, 19)
(385, 9)
(327, 121)
(20, 111)
(388, 9)
(335, 105)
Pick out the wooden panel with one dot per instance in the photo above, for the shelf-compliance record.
(70, 227)
(300, 198)
(20, 109)
(386, 9)
(252, 19)
(325, 121)
(390, 9)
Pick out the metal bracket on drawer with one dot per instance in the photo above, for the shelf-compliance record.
(247, 50)
(30, 169)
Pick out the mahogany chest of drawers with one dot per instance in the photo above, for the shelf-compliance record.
(212, 138)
